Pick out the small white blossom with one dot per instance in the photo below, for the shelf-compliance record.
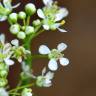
(3, 92)
(5, 51)
(26, 92)
(45, 80)
(55, 55)
(51, 14)
(19, 51)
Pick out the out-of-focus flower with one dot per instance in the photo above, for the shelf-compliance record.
(55, 55)
(6, 8)
(3, 92)
(5, 51)
(26, 92)
(45, 79)
(52, 15)
(19, 51)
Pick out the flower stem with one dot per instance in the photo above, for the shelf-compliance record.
(21, 87)
(39, 56)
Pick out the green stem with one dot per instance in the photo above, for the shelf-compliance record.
(21, 87)
(38, 33)
(39, 56)
(17, 87)
(16, 94)
(28, 20)
(24, 22)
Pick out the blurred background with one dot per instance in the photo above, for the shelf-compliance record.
(79, 78)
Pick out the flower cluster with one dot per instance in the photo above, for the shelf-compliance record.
(50, 17)
(7, 52)
(22, 30)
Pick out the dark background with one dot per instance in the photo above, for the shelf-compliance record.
(79, 78)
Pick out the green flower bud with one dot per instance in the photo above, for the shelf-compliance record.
(36, 22)
(40, 81)
(13, 17)
(22, 15)
(21, 35)
(3, 66)
(30, 9)
(14, 29)
(3, 82)
(23, 28)
(3, 73)
(29, 30)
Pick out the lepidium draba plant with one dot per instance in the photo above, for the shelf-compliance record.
(50, 17)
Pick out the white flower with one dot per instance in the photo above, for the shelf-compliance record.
(26, 92)
(5, 51)
(45, 80)
(18, 51)
(48, 2)
(54, 55)
(3, 92)
(51, 14)
(6, 8)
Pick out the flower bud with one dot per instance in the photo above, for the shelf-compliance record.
(3, 66)
(13, 17)
(21, 35)
(36, 22)
(14, 29)
(3, 73)
(3, 82)
(30, 9)
(23, 28)
(22, 15)
(29, 30)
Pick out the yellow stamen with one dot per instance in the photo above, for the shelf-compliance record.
(62, 22)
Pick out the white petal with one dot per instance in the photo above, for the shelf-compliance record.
(61, 47)
(3, 92)
(47, 83)
(17, 5)
(63, 12)
(46, 27)
(20, 59)
(40, 14)
(2, 38)
(43, 71)
(61, 30)
(53, 65)
(3, 18)
(7, 48)
(7, 3)
(64, 61)
(49, 75)
(15, 42)
(9, 62)
(43, 49)
(48, 2)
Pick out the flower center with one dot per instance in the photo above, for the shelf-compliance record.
(55, 54)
